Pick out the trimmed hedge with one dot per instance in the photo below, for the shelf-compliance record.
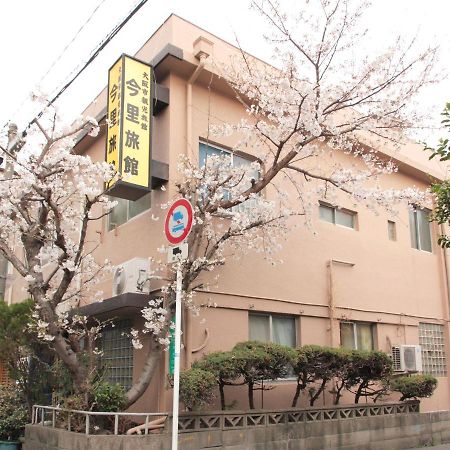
(364, 373)
(415, 386)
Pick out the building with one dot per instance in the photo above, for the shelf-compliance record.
(363, 281)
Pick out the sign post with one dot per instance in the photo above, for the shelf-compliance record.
(177, 227)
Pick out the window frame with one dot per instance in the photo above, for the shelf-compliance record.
(415, 234)
(271, 315)
(335, 209)
(355, 324)
(392, 230)
(249, 158)
(123, 326)
(434, 355)
(128, 203)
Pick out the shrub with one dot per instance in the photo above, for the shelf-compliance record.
(223, 365)
(108, 397)
(13, 413)
(259, 361)
(369, 372)
(196, 388)
(415, 386)
(313, 363)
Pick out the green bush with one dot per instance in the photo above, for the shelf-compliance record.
(369, 373)
(223, 366)
(260, 361)
(415, 386)
(313, 363)
(196, 388)
(13, 413)
(108, 397)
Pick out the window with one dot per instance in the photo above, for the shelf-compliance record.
(272, 328)
(3, 276)
(357, 335)
(126, 210)
(419, 226)
(117, 357)
(337, 216)
(207, 150)
(431, 338)
(392, 231)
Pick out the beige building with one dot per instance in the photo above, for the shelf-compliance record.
(361, 280)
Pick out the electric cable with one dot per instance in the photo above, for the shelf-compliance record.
(61, 54)
(93, 55)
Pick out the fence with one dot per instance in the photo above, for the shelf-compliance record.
(56, 417)
(210, 421)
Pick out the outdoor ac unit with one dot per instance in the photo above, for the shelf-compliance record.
(407, 358)
(132, 276)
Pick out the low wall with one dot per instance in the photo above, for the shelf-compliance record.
(365, 427)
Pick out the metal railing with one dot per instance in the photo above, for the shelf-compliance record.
(52, 416)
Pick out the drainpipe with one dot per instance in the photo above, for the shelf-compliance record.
(331, 304)
(202, 49)
(190, 84)
(446, 273)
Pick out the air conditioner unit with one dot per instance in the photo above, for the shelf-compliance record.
(132, 276)
(407, 358)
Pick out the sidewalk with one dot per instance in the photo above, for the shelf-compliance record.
(435, 447)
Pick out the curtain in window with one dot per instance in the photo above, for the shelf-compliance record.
(424, 230)
(347, 335)
(259, 328)
(283, 330)
(364, 336)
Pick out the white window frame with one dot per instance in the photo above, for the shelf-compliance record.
(355, 331)
(334, 208)
(413, 216)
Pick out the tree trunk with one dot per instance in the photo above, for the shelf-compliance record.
(296, 396)
(318, 392)
(251, 401)
(359, 392)
(138, 388)
(338, 393)
(222, 395)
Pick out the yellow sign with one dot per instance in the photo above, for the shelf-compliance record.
(129, 118)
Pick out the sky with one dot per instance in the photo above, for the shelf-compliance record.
(42, 46)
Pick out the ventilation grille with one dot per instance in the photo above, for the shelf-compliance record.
(396, 360)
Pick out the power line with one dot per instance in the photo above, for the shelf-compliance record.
(94, 54)
(61, 54)
(72, 40)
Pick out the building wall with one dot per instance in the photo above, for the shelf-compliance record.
(389, 283)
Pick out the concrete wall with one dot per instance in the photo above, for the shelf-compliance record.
(367, 433)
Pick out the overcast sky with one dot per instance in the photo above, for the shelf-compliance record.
(34, 33)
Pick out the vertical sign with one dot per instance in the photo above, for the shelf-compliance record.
(114, 115)
(129, 125)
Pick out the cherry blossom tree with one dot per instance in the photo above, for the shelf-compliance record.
(325, 97)
(322, 99)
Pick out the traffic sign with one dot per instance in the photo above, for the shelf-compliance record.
(178, 252)
(178, 221)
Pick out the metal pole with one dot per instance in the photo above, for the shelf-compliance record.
(176, 374)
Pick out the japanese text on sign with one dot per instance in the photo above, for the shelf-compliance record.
(129, 113)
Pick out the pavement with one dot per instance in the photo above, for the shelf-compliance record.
(435, 447)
